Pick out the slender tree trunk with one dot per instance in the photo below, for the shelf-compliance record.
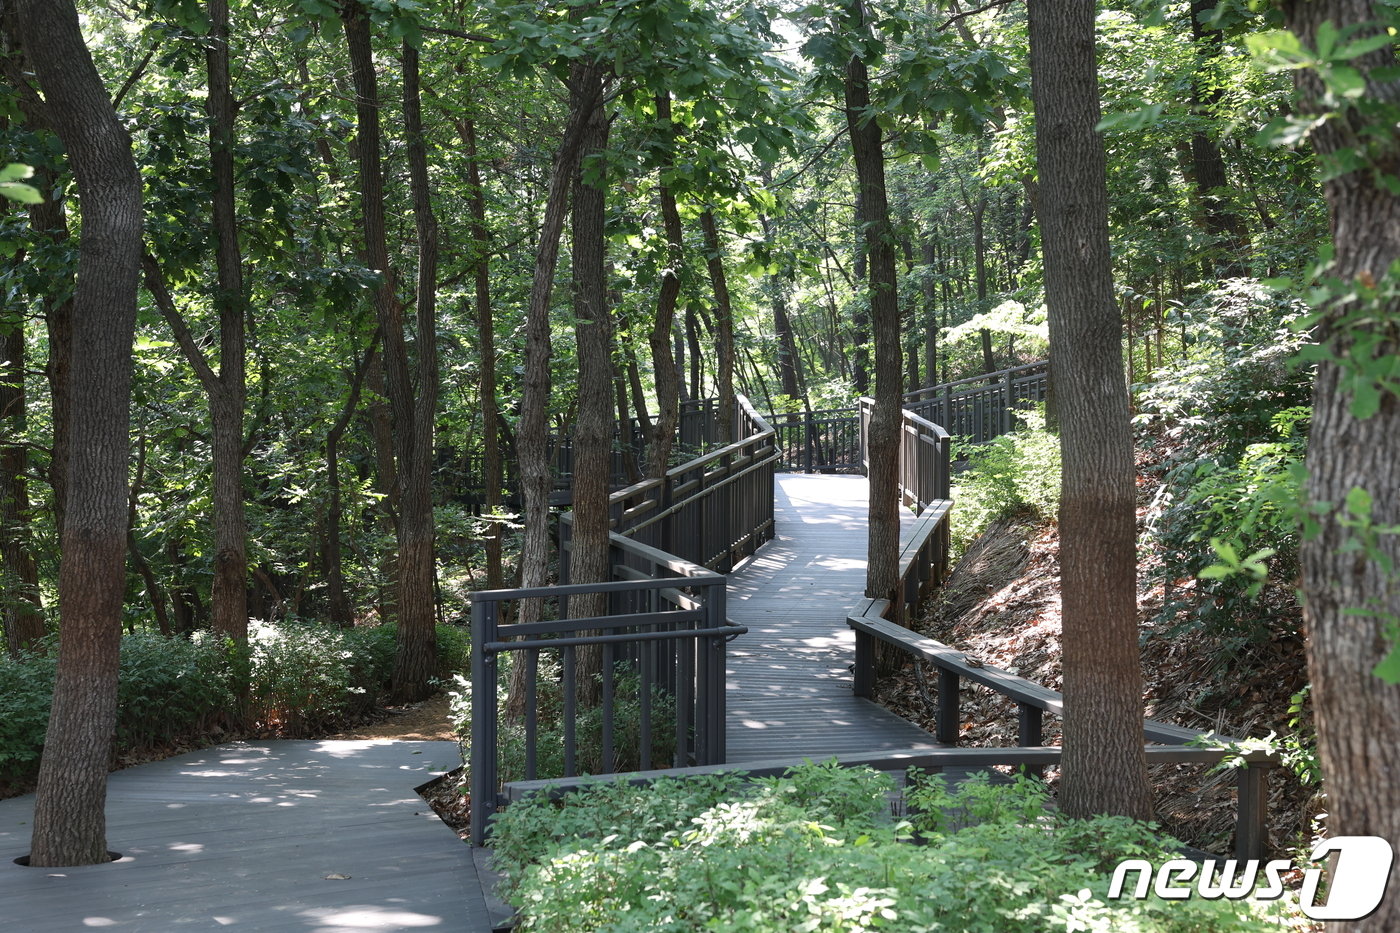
(415, 417)
(724, 327)
(154, 592)
(1221, 222)
(23, 610)
(665, 365)
(1351, 595)
(341, 610)
(860, 317)
(69, 810)
(1104, 768)
(493, 470)
(882, 571)
(531, 439)
(228, 392)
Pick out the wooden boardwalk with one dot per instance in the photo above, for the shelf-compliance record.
(789, 680)
(256, 836)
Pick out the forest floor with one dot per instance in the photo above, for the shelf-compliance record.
(1002, 606)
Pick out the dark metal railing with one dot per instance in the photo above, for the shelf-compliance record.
(817, 441)
(665, 626)
(714, 510)
(1170, 743)
(980, 408)
(667, 633)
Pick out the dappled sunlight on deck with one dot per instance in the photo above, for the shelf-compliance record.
(789, 680)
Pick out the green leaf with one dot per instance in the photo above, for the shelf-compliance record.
(1345, 81)
(1359, 502)
(1389, 668)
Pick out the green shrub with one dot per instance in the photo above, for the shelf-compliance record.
(169, 687)
(26, 693)
(1017, 473)
(808, 851)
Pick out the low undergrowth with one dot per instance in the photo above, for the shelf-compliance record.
(818, 849)
(304, 679)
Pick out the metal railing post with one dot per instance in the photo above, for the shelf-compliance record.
(485, 779)
(1251, 822)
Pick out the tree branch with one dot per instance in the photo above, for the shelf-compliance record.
(155, 284)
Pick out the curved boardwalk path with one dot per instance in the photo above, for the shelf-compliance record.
(247, 836)
(789, 678)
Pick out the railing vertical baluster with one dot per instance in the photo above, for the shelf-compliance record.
(1251, 822)
(949, 714)
(609, 707)
(644, 679)
(531, 661)
(570, 713)
(485, 780)
(1030, 731)
(864, 672)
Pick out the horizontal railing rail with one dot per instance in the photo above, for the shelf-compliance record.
(1250, 817)
(872, 626)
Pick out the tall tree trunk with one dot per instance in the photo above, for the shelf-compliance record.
(341, 610)
(860, 317)
(1104, 768)
(930, 257)
(228, 393)
(415, 415)
(415, 660)
(724, 327)
(1350, 594)
(664, 362)
(593, 329)
(882, 571)
(1224, 226)
(23, 610)
(531, 439)
(493, 469)
(69, 810)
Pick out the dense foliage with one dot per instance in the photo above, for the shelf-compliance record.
(818, 849)
(305, 678)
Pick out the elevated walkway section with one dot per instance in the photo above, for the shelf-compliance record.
(789, 679)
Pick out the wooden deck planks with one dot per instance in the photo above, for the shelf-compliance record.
(789, 679)
(243, 836)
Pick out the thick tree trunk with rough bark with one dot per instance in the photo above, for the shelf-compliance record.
(593, 330)
(1350, 599)
(886, 418)
(69, 810)
(1104, 768)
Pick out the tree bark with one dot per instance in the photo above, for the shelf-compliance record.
(593, 328)
(724, 327)
(493, 469)
(228, 393)
(69, 811)
(1104, 768)
(664, 362)
(531, 439)
(886, 418)
(1350, 597)
(415, 660)
(415, 414)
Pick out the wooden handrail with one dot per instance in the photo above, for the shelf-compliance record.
(931, 391)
